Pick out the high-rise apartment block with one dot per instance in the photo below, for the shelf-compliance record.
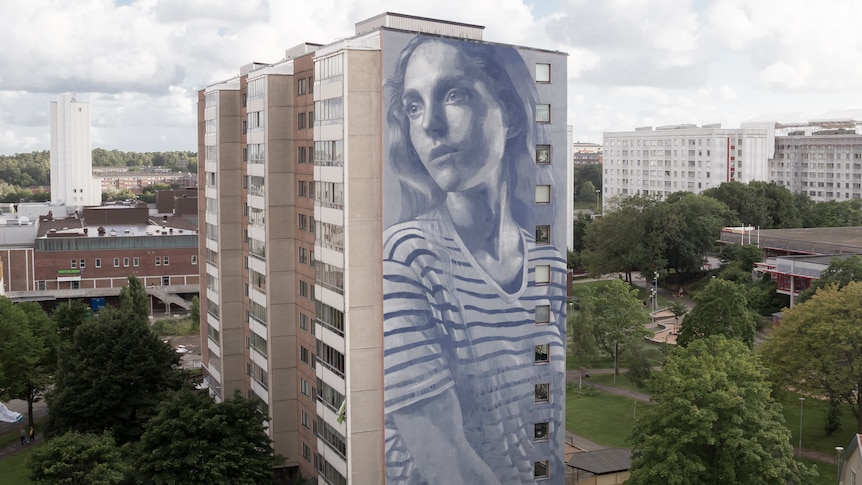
(820, 159)
(384, 231)
(72, 181)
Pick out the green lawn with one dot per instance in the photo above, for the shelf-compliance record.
(622, 381)
(603, 418)
(813, 418)
(608, 419)
(14, 471)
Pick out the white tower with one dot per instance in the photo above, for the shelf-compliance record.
(72, 181)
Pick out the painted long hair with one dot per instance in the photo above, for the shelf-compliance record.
(513, 87)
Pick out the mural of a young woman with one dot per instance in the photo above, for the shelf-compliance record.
(474, 351)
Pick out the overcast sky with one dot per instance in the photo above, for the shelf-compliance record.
(631, 62)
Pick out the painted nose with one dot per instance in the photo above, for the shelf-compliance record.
(433, 122)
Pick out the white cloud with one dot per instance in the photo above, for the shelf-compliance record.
(631, 62)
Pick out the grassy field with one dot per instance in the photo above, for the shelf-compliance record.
(813, 418)
(608, 419)
(13, 470)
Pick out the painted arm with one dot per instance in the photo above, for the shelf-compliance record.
(434, 433)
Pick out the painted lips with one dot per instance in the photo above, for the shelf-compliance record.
(442, 154)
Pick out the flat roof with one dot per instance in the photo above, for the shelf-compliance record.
(810, 240)
(602, 462)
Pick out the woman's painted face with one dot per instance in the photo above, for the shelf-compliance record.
(457, 127)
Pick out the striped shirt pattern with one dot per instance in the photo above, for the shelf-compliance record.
(448, 325)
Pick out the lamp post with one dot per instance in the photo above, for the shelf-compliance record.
(597, 201)
(839, 450)
(801, 402)
(616, 347)
(655, 291)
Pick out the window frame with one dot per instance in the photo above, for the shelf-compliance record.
(543, 113)
(543, 79)
(546, 149)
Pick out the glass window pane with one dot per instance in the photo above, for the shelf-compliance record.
(543, 194)
(543, 113)
(543, 73)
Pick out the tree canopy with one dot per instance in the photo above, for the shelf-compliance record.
(614, 317)
(721, 308)
(714, 422)
(193, 439)
(111, 376)
(79, 458)
(816, 349)
(28, 353)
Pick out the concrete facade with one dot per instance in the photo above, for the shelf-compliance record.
(293, 220)
(72, 182)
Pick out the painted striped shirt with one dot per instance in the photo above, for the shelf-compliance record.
(447, 324)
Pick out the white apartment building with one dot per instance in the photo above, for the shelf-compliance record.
(72, 181)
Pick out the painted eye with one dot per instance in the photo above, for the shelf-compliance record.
(456, 96)
(413, 110)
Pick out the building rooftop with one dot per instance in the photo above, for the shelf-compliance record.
(601, 462)
(814, 240)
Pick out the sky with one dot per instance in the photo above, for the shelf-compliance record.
(632, 63)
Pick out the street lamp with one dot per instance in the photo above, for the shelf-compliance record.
(598, 191)
(616, 348)
(801, 402)
(655, 291)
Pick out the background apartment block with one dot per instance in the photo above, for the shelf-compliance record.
(72, 182)
(820, 159)
(297, 195)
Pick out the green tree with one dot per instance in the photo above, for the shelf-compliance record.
(68, 316)
(721, 308)
(111, 376)
(840, 272)
(193, 439)
(28, 352)
(714, 422)
(79, 458)
(616, 318)
(816, 348)
(690, 225)
(134, 301)
(622, 240)
(196, 311)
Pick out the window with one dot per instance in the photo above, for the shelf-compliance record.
(75, 285)
(303, 222)
(303, 354)
(543, 194)
(543, 274)
(303, 321)
(125, 262)
(543, 392)
(165, 261)
(303, 289)
(543, 234)
(540, 431)
(543, 153)
(543, 113)
(543, 73)
(166, 281)
(543, 313)
(98, 262)
(136, 261)
(540, 469)
(303, 387)
(300, 121)
(158, 260)
(306, 451)
(194, 259)
(302, 188)
(304, 419)
(303, 255)
(74, 263)
(40, 285)
(82, 263)
(311, 119)
(300, 86)
(300, 155)
(116, 262)
(311, 85)
(542, 353)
